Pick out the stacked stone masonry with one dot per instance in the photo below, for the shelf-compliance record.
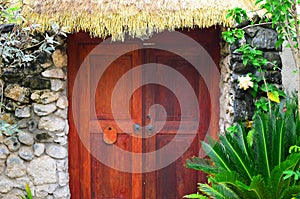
(35, 99)
(240, 103)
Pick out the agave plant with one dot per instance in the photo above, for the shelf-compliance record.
(252, 164)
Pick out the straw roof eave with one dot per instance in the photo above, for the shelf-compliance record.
(137, 18)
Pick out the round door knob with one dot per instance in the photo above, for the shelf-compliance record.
(136, 128)
(150, 129)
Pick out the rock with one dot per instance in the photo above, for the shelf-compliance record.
(44, 97)
(12, 75)
(42, 110)
(59, 59)
(26, 138)
(52, 123)
(12, 143)
(35, 96)
(32, 69)
(63, 113)
(26, 153)
(17, 93)
(62, 140)
(44, 137)
(62, 165)
(5, 184)
(265, 39)
(42, 58)
(272, 56)
(15, 167)
(274, 77)
(238, 67)
(56, 151)
(13, 194)
(8, 118)
(4, 152)
(22, 124)
(251, 31)
(62, 102)
(38, 149)
(46, 65)
(42, 170)
(23, 112)
(44, 190)
(36, 82)
(63, 178)
(2, 166)
(49, 97)
(54, 73)
(57, 85)
(32, 125)
(11, 105)
(243, 109)
(20, 183)
(62, 193)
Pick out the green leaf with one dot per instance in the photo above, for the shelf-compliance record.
(290, 192)
(201, 164)
(262, 144)
(210, 191)
(28, 191)
(279, 43)
(288, 174)
(237, 155)
(216, 153)
(195, 195)
(294, 148)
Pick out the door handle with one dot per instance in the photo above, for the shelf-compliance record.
(150, 129)
(137, 128)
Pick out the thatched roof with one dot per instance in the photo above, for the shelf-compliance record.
(136, 17)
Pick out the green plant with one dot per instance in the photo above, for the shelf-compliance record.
(243, 166)
(28, 192)
(23, 45)
(284, 16)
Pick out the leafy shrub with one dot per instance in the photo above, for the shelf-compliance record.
(253, 163)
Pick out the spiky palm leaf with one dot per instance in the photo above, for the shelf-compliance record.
(246, 170)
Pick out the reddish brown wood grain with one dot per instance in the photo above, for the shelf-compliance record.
(91, 179)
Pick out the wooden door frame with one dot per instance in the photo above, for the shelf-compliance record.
(75, 147)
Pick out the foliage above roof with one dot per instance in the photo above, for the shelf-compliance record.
(136, 17)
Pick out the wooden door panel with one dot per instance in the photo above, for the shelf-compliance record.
(107, 82)
(114, 184)
(175, 181)
(108, 183)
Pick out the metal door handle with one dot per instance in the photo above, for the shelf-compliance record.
(137, 128)
(150, 129)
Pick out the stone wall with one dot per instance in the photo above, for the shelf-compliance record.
(290, 80)
(239, 104)
(226, 88)
(35, 98)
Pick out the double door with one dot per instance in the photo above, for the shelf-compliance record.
(134, 119)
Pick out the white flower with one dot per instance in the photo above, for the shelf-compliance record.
(245, 82)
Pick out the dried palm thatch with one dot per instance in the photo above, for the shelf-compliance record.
(136, 17)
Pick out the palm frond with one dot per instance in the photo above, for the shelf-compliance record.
(202, 164)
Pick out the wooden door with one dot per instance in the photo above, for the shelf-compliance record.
(89, 176)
